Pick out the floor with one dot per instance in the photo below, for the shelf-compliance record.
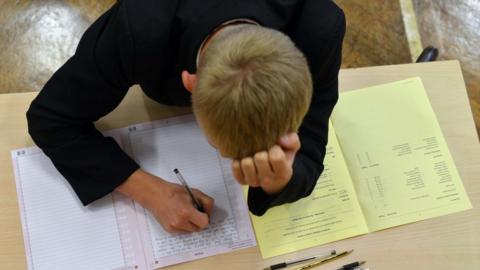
(454, 28)
(368, 42)
(36, 37)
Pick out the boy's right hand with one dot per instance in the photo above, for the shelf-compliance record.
(169, 203)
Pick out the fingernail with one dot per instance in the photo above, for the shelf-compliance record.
(285, 139)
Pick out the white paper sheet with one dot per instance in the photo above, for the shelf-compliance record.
(179, 143)
(59, 232)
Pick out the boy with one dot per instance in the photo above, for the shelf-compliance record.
(250, 67)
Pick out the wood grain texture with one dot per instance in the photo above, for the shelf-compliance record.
(375, 34)
(448, 242)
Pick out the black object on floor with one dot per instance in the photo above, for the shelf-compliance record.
(428, 54)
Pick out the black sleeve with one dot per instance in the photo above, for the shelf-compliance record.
(88, 86)
(324, 57)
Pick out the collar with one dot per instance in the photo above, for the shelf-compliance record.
(198, 30)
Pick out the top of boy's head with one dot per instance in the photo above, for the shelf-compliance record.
(253, 86)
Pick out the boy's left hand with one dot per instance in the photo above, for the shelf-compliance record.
(271, 170)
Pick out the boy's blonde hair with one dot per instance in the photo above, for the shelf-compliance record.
(253, 86)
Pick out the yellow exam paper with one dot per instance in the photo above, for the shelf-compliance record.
(330, 213)
(399, 161)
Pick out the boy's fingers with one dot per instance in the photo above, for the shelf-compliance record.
(206, 201)
(188, 227)
(199, 219)
(265, 172)
(237, 172)
(249, 171)
(279, 162)
(172, 229)
(290, 142)
(187, 220)
(192, 220)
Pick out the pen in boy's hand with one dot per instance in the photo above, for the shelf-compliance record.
(196, 203)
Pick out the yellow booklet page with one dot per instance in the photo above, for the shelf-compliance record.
(330, 213)
(390, 143)
(397, 156)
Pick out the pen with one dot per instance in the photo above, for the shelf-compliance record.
(197, 204)
(351, 266)
(325, 260)
(286, 264)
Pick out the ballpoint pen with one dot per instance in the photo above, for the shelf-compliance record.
(287, 264)
(325, 260)
(197, 204)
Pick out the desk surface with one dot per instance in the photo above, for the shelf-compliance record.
(448, 242)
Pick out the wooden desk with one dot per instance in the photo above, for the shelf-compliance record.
(448, 242)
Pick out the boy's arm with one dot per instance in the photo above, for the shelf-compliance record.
(324, 63)
(88, 86)
(91, 84)
(308, 163)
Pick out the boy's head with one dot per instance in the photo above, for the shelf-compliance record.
(252, 87)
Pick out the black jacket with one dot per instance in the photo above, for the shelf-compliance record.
(149, 42)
